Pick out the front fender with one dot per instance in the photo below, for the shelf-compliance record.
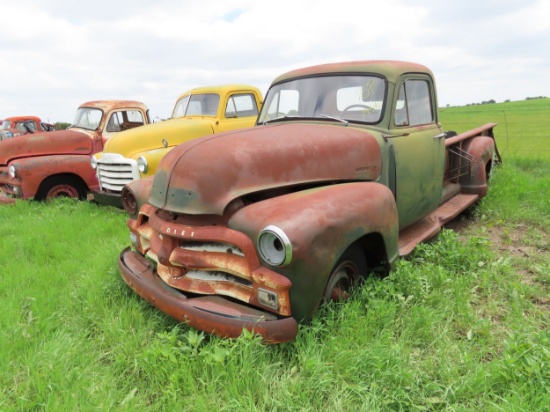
(153, 158)
(31, 172)
(135, 194)
(321, 224)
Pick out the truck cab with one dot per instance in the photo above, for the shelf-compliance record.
(45, 165)
(346, 170)
(202, 111)
(20, 125)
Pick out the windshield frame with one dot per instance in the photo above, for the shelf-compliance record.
(324, 102)
(186, 103)
(79, 114)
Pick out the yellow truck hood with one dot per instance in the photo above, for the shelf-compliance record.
(154, 136)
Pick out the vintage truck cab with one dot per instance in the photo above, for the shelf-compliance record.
(20, 125)
(202, 111)
(346, 170)
(46, 165)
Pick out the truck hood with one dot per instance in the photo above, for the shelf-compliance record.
(45, 143)
(150, 137)
(203, 176)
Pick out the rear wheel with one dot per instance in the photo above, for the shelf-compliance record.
(61, 186)
(347, 271)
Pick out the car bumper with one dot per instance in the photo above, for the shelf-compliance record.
(211, 314)
(108, 199)
(5, 199)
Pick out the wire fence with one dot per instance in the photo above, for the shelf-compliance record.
(519, 131)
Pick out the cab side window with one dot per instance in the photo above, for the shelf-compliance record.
(241, 105)
(124, 120)
(414, 105)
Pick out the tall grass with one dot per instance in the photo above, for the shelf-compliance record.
(462, 325)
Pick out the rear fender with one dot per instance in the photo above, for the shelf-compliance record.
(32, 171)
(321, 224)
(481, 150)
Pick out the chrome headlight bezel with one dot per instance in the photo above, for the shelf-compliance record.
(142, 165)
(274, 246)
(12, 171)
(93, 163)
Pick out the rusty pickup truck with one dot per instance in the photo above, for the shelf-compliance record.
(20, 125)
(346, 170)
(199, 112)
(47, 165)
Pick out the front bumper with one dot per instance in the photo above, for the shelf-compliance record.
(5, 199)
(212, 314)
(107, 199)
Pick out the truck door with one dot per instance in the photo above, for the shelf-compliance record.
(240, 111)
(416, 151)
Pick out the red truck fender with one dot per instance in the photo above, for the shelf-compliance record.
(321, 224)
(135, 194)
(35, 173)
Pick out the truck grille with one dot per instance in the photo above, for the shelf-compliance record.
(115, 171)
(207, 260)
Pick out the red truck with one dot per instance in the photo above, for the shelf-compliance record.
(47, 165)
(19, 125)
(346, 170)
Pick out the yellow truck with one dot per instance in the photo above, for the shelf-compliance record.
(134, 154)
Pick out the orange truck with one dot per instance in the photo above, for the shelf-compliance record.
(46, 165)
(20, 125)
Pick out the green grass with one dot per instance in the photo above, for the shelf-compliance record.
(463, 325)
(522, 129)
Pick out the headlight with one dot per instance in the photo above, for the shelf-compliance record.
(142, 164)
(93, 163)
(274, 246)
(129, 201)
(11, 171)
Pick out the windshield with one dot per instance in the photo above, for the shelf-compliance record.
(26, 126)
(5, 125)
(354, 98)
(87, 118)
(197, 105)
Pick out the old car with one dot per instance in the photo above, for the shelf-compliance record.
(46, 165)
(199, 112)
(346, 170)
(20, 125)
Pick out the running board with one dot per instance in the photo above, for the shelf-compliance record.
(430, 225)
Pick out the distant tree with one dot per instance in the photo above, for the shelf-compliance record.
(507, 101)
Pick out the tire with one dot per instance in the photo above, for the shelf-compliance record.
(61, 186)
(348, 270)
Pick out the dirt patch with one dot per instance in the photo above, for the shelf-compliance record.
(526, 245)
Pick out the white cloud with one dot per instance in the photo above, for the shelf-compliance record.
(57, 54)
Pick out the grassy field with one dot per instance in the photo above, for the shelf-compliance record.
(463, 325)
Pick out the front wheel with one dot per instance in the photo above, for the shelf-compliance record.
(61, 186)
(347, 271)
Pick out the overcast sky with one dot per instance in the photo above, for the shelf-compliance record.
(57, 54)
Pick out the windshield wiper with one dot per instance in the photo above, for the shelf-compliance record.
(335, 118)
(281, 118)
